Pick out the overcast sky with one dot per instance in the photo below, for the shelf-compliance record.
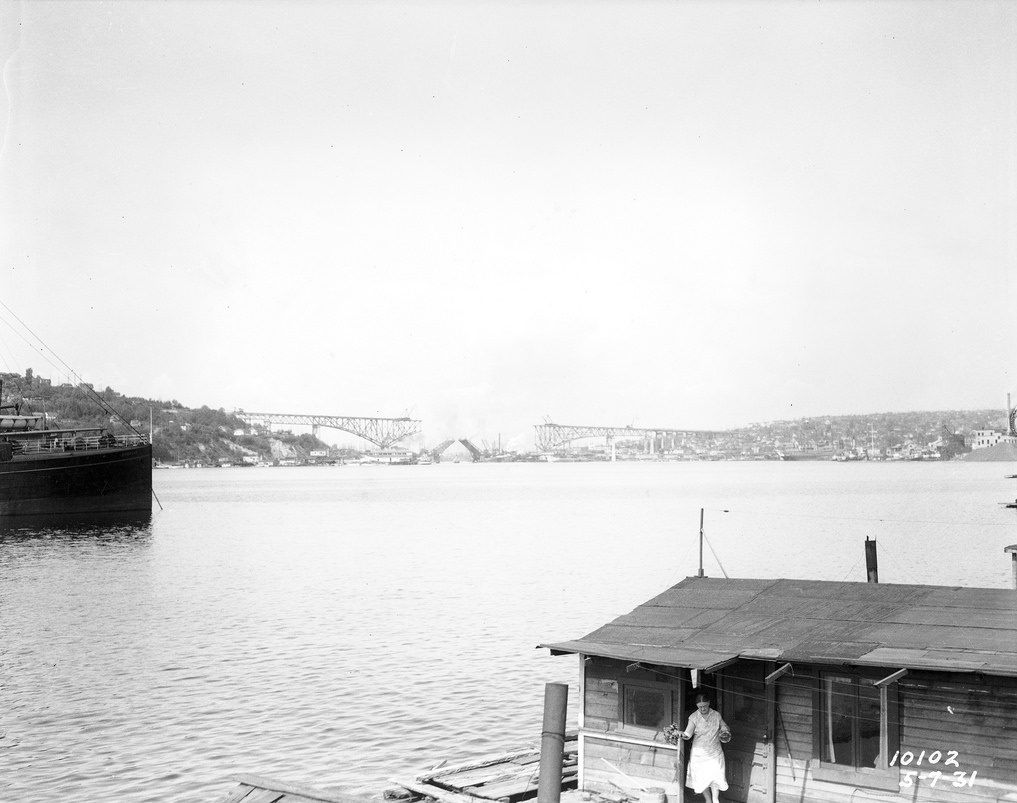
(682, 214)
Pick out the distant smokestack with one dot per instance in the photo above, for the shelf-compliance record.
(871, 563)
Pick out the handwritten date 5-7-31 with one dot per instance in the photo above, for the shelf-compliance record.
(946, 758)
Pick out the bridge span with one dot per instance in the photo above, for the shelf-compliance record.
(382, 432)
(549, 437)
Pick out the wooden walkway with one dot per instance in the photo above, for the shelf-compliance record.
(506, 778)
(252, 789)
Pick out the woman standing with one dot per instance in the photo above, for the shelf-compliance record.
(706, 775)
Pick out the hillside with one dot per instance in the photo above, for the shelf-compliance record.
(182, 435)
(204, 436)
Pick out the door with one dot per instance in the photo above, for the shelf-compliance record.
(743, 708)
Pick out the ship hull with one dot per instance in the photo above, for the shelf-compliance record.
(111, 480)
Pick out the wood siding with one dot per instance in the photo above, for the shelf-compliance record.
(976, 717)
(602, 689)
(973, 716)
(605, 760)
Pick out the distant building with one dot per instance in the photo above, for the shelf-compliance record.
(984, 438)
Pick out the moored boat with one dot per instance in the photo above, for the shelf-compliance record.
(82, 470)
(817, 453)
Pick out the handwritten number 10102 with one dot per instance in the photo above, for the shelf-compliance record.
(934, 757)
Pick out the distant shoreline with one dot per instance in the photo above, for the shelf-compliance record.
(997, 453)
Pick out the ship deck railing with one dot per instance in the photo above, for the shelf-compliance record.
(49, 442)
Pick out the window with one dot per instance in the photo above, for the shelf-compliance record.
(646, 706)
(850, 721)
(851, 729)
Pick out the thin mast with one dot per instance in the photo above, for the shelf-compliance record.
(701, 514)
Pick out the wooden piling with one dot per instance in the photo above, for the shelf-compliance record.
(552, 742)
(871, 564)
(1012, 549)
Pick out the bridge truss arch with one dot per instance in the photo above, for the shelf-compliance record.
(382, 432)
(549, 437)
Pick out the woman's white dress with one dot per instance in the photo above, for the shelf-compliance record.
(706, 765)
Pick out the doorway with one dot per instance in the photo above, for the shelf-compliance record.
(743, 707)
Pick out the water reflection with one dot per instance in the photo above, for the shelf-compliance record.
(95, 527)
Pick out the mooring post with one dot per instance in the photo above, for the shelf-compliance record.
(871, 564)
(1012, 549)
(552, 742)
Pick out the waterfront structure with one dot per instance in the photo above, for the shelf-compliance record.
(984, 438)
(833, 691)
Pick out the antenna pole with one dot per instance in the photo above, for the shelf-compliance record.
(701, 514)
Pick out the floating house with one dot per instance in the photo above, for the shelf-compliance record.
(835, 692)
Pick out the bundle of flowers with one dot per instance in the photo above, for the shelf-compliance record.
(673, 733)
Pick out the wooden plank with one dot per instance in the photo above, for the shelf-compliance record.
(280, 787)
(502, 774)
(439, 794)
(508, 788)
(237, 794)
(528, 753)
(516, 788)
(263, 796)
(481, 762)
(496, 773)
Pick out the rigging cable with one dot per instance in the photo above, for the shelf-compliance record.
(82, 385)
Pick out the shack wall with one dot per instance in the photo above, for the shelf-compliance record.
(610, 750)
(969, 720)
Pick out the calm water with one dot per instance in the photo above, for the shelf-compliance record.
(340, 626)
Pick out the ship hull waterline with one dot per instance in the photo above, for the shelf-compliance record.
(113, 480)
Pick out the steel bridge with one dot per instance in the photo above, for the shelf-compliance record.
(549, 437)
(382, 432)
(475, 453)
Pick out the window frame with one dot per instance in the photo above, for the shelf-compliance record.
(883, 776)
(669, 691)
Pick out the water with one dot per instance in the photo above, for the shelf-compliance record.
(337, 627)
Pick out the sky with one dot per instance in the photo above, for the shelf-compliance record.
(490, 215)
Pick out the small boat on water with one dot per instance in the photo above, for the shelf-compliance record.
(70, 471)
(824, 452)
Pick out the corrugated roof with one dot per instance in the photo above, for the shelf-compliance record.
(704, 622)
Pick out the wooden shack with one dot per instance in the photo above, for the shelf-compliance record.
(838, 692)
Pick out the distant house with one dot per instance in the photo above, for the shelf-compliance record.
(984, 438)
(834, 692)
